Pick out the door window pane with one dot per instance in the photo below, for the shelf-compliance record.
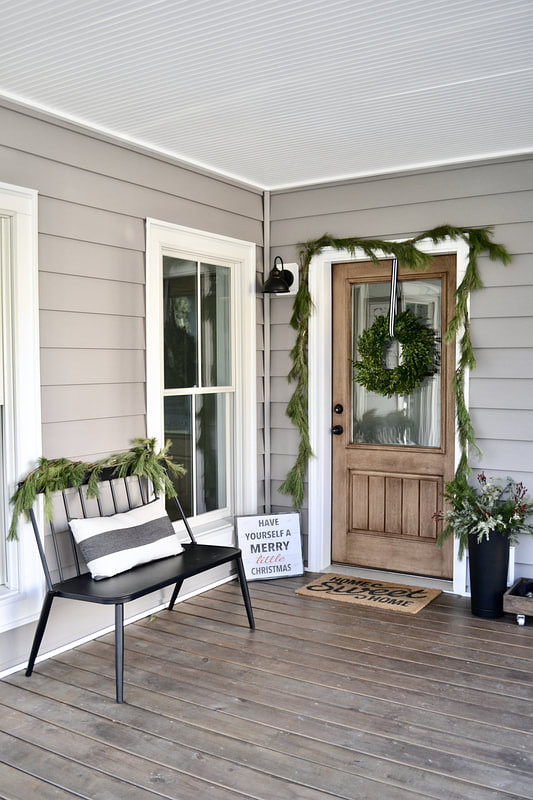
(215, 288)
(411, 420)
(180, 304)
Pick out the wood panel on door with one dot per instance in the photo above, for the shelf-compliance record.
(393, 456)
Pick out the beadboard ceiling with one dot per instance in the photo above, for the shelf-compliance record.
(282, 92)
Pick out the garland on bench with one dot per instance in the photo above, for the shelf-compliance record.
(57, 474)
(479, 240)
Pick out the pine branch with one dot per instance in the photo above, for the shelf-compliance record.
(479, 240)
(58, 474)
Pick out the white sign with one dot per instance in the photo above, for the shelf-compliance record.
(271, 546)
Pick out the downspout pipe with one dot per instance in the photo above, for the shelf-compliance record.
(266, 352)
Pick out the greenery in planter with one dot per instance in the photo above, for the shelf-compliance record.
(494, 506)
(479, 240)
(419, 356)
(57, 474)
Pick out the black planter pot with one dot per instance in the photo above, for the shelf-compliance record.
(489, 563)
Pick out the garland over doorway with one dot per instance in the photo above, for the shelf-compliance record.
(478, 240)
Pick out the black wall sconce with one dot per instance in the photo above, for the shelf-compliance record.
(280, 280)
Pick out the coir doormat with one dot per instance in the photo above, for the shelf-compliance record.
(377, 594)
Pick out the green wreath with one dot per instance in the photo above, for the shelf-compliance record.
(419, 356)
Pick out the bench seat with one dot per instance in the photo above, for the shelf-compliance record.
(136, 582)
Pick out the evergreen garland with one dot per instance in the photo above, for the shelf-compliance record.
(479, 241)
(419, 359)
(57, 474)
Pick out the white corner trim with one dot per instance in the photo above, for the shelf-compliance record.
(320, 398)
(20, 600)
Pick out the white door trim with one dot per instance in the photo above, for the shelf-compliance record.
(320, 400)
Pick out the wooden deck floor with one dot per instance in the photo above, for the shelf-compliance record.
(322, 700)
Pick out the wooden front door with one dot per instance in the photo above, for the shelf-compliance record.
(393, 455)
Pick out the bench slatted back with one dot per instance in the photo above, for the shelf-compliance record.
(58, 551)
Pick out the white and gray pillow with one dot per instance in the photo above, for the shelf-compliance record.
(114, 544)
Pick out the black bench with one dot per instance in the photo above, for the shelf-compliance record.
(63, 558)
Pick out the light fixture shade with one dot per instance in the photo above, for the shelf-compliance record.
(279, 281)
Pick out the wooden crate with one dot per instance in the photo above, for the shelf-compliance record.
(514, 603)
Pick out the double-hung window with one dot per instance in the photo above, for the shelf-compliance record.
(201, 367)
(198, 379)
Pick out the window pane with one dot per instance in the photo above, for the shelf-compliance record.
(178, 429)
(414, 419)
(211, 452)
(180, 308)
(215, 285)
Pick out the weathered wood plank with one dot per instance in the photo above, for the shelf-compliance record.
(322, 700)
(67, 773)
(351, 632)
(358, 757)
(130, 758)
(18, 785)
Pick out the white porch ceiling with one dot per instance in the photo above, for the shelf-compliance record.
(282, 92)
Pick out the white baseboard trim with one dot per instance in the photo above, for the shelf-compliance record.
(391, 577)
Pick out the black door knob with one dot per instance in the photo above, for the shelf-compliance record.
(338, 409)
(337, 430)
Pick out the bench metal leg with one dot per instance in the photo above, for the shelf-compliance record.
(245, 592)
(39, 633)
(119, 651)
(175, 593)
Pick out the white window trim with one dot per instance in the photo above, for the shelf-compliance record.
(21, 599)
(162, 237)
(320, 398)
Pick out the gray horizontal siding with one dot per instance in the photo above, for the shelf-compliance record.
(430, 187)
(404, 221)
(502, 301)
(500, 393)
(504, 362)
(75, 257)
(502, 425)
(502, 331)
(108, 434)
(64, 366)
(71, 329)
(92, 401)
(94, 197)
(74, 293)
(499, 194)
(29, 134)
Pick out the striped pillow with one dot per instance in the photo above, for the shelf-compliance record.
(110, 545)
